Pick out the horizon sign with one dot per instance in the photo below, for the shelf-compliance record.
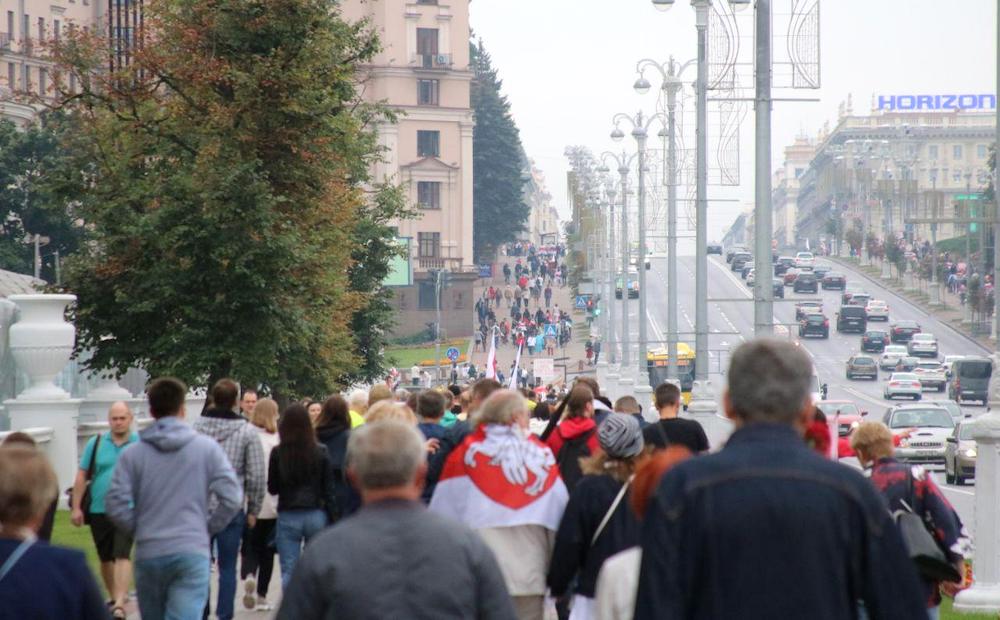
(937, 102)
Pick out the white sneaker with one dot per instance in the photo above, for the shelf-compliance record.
(248, 587)
(263, 605)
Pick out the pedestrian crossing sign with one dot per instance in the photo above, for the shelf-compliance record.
(581, 302)
(550, 330)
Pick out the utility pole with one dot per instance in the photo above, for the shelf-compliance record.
(610, 288)
(623, 174)
(701, 198)
(672, 302)
(763, 288)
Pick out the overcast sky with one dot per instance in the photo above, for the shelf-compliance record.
(568, 67)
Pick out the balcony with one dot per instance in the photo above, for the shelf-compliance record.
(4, 41)
(428, 263)
(431, 61)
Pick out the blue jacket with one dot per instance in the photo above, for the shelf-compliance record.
(48, 583)
(768, 529)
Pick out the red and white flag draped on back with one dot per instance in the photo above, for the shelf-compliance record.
(501, 477)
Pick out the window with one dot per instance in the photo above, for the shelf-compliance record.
(55, 29)
(72, 82)
(427, 45)
(41, 28)
(981, 151)
(26, 27)
(10, 24)
(11, 75)
(427, 92)
(932, 151)
(429, 245)
(428, 143)
(429, 194)
(43, 78)
(956, 151)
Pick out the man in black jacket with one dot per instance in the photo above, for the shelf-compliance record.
(766, 528)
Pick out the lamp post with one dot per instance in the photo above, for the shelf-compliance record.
(610, 272)
(640, 130)
(624, 162)
(935, 290)
(671, 85)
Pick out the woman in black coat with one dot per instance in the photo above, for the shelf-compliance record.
(333, 429)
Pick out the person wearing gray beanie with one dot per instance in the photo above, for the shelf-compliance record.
(598, 522)
(620, 436)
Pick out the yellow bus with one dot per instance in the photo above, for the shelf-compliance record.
(657, 364)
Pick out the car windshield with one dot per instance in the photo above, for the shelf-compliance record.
(875, 334)
(903, 376)
(895, 349)
(831, 409)
(926, 418)
(816, 318)
(975, 370)
(923, 338)
(906, 325)
(950, 406)
(804, 255)
(929, 366)
(864, 361)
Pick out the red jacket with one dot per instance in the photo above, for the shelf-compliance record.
(570, 428)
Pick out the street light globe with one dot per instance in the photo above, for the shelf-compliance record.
(663, 133)
(663, 5)
(617, 135)
(641, 85)
(739, 5)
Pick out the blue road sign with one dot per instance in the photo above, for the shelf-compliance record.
(452, 354)
(485, 270)
(550, 330)
(581, 302)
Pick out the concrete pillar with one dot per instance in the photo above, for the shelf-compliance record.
(609, 387)
(601, 371)
(934, 290)
(644, 394)
(984, 595)
(626, 387)
(886, 273)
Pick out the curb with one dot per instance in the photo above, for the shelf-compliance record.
(927, 311)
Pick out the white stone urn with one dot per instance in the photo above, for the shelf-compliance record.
(41, 342)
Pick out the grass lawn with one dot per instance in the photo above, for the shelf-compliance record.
(404, 357)
(65, 535)
(948, 614)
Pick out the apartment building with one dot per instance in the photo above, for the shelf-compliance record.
(888, 169)
(543, 220)
(26, 26)
(423, 73)
(785, 192)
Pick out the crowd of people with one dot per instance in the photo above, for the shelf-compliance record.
(477, 501)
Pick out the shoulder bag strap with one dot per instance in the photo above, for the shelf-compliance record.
(15, 556)
(93, 458)
(611, 510)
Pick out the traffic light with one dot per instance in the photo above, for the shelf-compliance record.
(445, 278)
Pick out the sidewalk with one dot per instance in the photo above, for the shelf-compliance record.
(951, 312)
(574, 351)
(273, 596)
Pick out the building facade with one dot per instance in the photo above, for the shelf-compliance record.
(423, 73)
(892, 170)
(786, 190)
(543, 221)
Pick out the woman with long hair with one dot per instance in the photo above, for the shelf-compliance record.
(597, 523)
(576, 434)
(300, 473)
(333, 428)
(257, 563)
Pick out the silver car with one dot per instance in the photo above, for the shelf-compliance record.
(903, 384)
(877, 310)
(891, 356)
(923, 345)
(960, 454)
(922, 430)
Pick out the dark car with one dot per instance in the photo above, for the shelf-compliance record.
(970, 379)
(852, 318)
(747, 267)
(860, 299)
(874, 340)
(814, 325)
(779, 288)
(783, 264)
(821, 270)
(714, 248)
(834, 280)
(733, 251)
(740, 259)
(806, 283)
(803, 308)
(862, 367)
(850, 290)
(903, 331)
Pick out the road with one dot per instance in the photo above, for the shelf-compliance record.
(731, 323)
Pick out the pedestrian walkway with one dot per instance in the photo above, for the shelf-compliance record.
(273, 597)
(574, 352)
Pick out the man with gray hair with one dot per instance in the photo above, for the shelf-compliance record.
(394, 558)
(766, 528)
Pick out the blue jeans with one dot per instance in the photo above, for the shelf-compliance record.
(227, 544)
(295, 528)
(172, 587)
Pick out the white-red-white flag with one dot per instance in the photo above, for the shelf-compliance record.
(491, 358)
(501, 476)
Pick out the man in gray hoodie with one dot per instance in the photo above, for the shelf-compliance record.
(246, 454)
(159, 495)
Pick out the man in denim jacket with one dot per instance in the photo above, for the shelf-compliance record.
(766, 528)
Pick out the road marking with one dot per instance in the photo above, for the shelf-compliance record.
(861, 395)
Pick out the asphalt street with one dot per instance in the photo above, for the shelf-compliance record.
(730, 318)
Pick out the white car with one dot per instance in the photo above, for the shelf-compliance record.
(931, 375)
(877, 310)
(750, 277)
(923, 431)
(903, 384)
(804, 259)
(891, 356)
(923, 345)
(947, 361)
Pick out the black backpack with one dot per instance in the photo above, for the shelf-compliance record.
(569, 456)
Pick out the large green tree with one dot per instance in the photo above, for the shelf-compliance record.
(31, 197)
(223, 200)
(500, 211)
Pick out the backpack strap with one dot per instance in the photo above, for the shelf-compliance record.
(611, 510)
(15, 556)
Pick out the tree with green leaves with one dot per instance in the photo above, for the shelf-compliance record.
(228, 227)
(499, 209)
(32, 201)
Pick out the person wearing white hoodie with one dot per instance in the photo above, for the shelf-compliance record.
(159, 494)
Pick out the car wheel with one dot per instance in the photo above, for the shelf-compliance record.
(949, 477)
